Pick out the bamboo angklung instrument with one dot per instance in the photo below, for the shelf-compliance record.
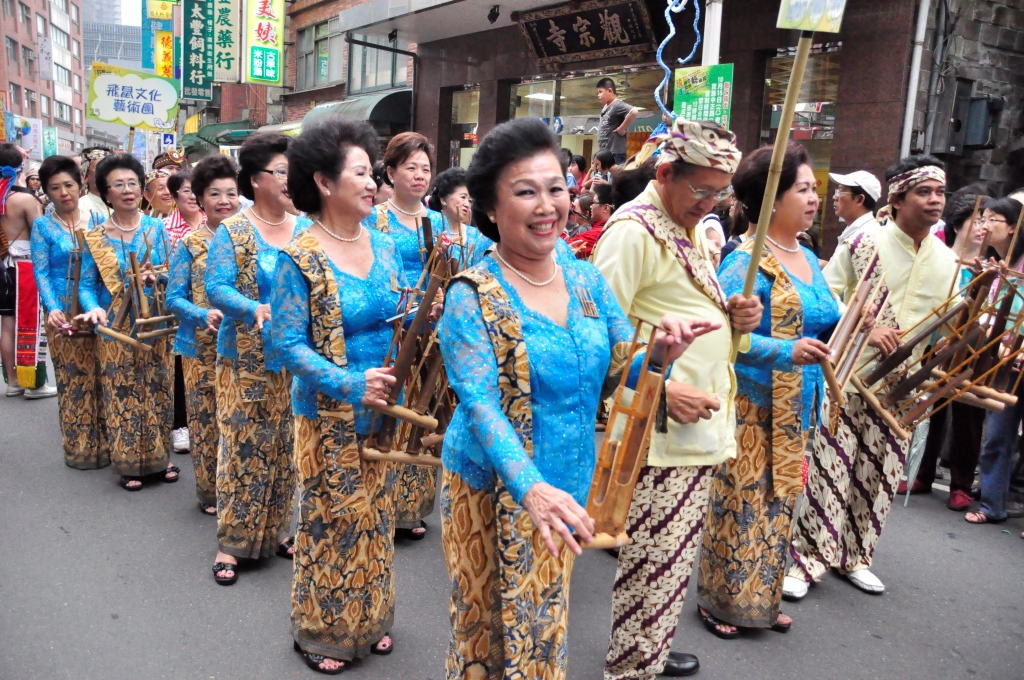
(625, 446)
(74, 279)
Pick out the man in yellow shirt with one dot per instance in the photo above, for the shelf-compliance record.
(657, 262)
(854, 472)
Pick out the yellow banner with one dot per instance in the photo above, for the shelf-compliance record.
(192, 124)
(164, 59)
(160, 10)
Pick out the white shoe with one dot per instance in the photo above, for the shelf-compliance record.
(794, 589)
(866, 581)
(15, 391)
(43, 392)
(180, 440)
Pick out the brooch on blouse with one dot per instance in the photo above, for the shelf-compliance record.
(587, 302)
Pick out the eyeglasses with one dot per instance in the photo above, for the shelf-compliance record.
(121, 186)
(982, 221)
(702, 194)
(840, 192)
(280, 174)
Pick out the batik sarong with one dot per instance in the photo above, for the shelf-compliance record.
(851, 482)
(138, 405)
(255, 473)
(201, 405)
(79, 400)
(664, 525)
(510, 596)
(746, 534)
(415, 490)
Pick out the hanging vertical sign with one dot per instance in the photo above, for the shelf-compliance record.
(49, 141)
(197, 69)
(153, 22)
(32, 137)
(704, 93)
(164, 60)
(161, 10)
(821, 16)
(227, 35)
(46, 58)
(264, 42)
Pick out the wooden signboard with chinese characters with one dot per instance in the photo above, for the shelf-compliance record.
(597, 29)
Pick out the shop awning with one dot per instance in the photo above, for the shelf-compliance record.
(292, 129)
(191, 140)
(422, 21)
(392, 106)
(210, 133)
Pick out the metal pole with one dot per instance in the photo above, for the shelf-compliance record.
(712, 33)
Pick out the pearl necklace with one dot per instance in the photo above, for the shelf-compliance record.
(269, 224)
(122, 229)
(206, 226)
(405, 212)
(524, 277)
(340, 238)
(780, 246)
(68, 225)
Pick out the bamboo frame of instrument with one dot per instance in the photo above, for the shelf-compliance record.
(771, 189)
(620, 459)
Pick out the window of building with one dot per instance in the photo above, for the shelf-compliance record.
(27, 56)
(78, 118)
(24, 14)
(30, 102)
(371, 69)
(44, 105)
(12, 51)
(61, 74)
(13, 95)
(40, 25)
(74, 13)
(76, 51)
(62, 5)
(321, 54)
(78, 83)
(9, 8)
(62, 111)
(61, 38)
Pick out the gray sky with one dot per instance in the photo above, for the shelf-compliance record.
(130, 10)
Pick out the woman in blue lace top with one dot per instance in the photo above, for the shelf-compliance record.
(214, 182)
(337, 284)
(138, 385)
(779, 387)
(55, 252)
(529, 342)
(255, 475)
(450, 197)
(408, 164)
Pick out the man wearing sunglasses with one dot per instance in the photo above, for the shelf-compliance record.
(654, 256)
(855, 200)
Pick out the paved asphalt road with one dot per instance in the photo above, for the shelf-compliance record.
(98, 583)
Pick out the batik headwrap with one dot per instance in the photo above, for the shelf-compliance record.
(700, 143)
(157, 173)
(91, 157)
(8, 175)
(901, 184)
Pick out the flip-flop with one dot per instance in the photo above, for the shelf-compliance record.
(711, 623)
(781, 627)
(383, 652)
(173, 469)
(410, 534)
(314, 661)
(283, 548)
(225, 566)
(205, 509)
(985, 519)
(127, 479)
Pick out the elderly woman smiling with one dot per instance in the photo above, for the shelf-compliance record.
(519, 453)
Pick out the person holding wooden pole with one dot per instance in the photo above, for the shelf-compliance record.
(656, 261)
(854, 471)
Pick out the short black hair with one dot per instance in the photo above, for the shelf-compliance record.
(580, 162)
(209, 170)
(869, 203)
(960, 207)
(177, 180)
(117, 161)
(628, 184)
(445, 185)
(254, 154)
(323, 147)
(607, 159)
(603, 194)
(54, 165)
(752, 175)
(504, 145)
(380, 175)
(606, 83)
(10, 155)
(1010, 210)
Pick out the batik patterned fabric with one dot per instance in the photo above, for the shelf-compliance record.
(201, 406)
(138, 401)
(701, 143)
(510, 596)
(186, 290)
(255, 472)
(850, 486)
(746, 534)
(79, 401)
(343, 596)
(504, 424)
(665, 521)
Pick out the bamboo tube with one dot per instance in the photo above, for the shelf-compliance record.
(603, 541)
(149, 335)
(873, 402)
(408, 415)
(103, 330)
(771, 188)
(156, 319)
(423, 460)
(834, 388)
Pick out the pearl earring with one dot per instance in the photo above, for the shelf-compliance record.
(327, 192)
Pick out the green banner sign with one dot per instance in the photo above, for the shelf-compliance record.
(197, 69)
(49, 141)
(704, 93)
(264, 42)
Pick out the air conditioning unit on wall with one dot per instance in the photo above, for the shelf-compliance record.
(963, 120)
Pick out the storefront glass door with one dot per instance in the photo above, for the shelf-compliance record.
(465, 119)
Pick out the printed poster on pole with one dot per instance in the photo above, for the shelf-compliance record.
(704, 93)
(132, 98)
(820, 16)
(264, 42)
(197, 72)
(31, 130)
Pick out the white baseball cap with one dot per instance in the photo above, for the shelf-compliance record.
(861, 179)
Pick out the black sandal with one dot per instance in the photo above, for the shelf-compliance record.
(409, 534)
(127, 479)
(205, 509)
(383, 652)
(173, 469)
(781, 627)
(283, 548)
(225, 566)
(711, 623)
(314, 661)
